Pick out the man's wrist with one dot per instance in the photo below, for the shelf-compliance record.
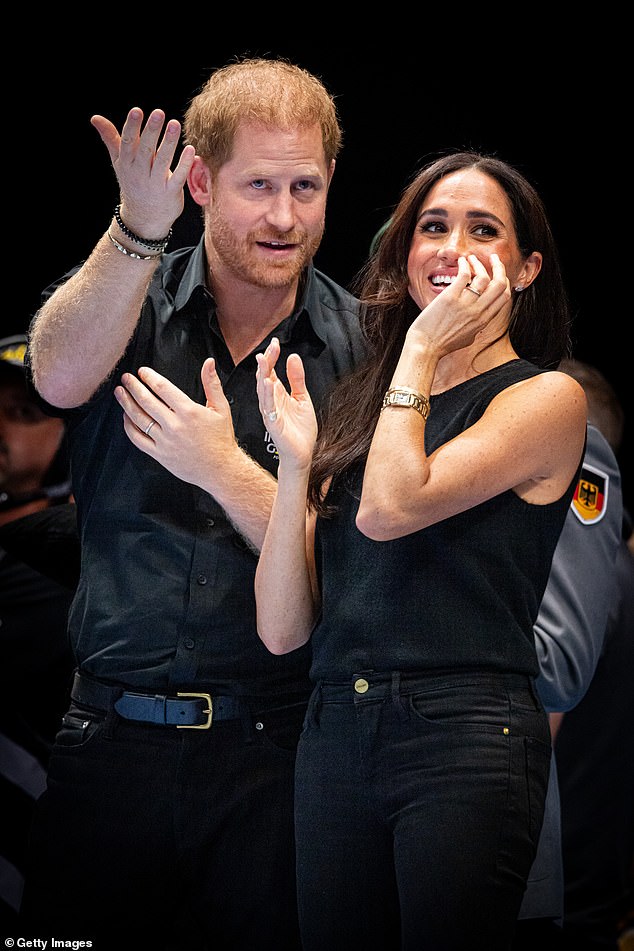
(157, 245)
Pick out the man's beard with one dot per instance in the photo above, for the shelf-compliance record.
(240, 257)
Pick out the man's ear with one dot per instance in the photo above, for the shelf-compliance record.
(199, 182)
(331, 171)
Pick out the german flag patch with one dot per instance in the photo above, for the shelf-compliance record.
(591, 495)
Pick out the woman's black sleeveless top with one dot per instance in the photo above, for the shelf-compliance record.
(463, 593)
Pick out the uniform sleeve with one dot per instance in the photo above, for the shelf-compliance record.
(572, 618)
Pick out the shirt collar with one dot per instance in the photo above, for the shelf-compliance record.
(194, 275)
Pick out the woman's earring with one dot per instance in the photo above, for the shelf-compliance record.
(518, 288)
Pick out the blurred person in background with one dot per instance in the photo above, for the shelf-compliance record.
(593, 740)
(35, 658)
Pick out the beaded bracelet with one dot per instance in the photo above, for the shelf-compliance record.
(154, 244)
(133, 254)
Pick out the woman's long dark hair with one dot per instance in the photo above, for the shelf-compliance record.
(539, 325)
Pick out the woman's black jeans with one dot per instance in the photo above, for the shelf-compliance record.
(419, 801)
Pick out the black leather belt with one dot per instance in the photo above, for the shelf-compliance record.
(188, 710)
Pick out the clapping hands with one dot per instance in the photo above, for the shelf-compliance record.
(289, 417)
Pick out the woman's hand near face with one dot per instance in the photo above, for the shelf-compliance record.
(466, 308)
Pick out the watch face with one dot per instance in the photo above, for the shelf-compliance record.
(404, 398)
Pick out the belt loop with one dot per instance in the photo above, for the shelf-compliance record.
(111, 718)
(314, 706)
(397, 699)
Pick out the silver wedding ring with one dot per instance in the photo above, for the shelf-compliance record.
(149, 427)
(473, 290)
(272, 416)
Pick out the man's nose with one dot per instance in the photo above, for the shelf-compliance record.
(281, 211)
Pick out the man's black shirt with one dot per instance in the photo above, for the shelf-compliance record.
(165, 597)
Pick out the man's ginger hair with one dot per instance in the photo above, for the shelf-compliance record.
(272, 91)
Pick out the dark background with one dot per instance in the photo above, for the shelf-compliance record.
(540, 97)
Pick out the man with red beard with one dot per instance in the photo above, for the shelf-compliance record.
(168, 817)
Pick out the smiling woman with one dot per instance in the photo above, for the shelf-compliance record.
(423, 660)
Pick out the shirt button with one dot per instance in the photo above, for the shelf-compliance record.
(202, 579)
(361, 685)
(189, 643)
(211, 522)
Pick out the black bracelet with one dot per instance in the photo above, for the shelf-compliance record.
(154, 244)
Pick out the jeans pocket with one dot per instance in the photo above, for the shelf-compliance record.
(462, 706)
(77, 729)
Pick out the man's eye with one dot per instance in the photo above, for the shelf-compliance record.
(258, 183)
(304, 186)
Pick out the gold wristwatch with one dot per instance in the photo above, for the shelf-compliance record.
(404, 396)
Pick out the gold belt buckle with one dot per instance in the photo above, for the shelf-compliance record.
(208, 711)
